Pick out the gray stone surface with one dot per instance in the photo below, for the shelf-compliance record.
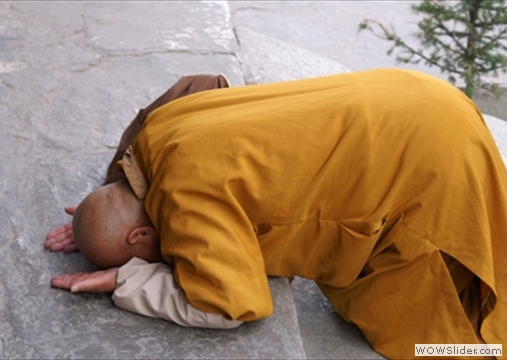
(72, 75)
(264, 59)
(325, 334)
(498, 128)
(44, 323)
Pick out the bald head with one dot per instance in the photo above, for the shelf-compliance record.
(111, 226)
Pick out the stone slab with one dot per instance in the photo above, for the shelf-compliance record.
(264, 59)
(498, 128)
(167, 26)
(325, 334)
(43, 323)
(72, 75)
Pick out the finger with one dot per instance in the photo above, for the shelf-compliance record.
(65, 281)
(61, 245)
(83, 285)
(61, 282)
(56, 234)
(71, 209)
(59, 230)
(66, 237)
(60, 237)
(70, 248)
(97, 282)
(88, 284)
(65, 233)
(56, 247)
(49, 242)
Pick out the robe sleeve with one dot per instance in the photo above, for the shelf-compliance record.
(149, 289)
(200, 206)
(217, 259)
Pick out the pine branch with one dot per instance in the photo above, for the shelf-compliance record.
(467, 38)
(398, 42)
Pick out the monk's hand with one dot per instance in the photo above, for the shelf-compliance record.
(100, 281)
(62, 238)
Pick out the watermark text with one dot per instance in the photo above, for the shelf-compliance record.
(458, 350)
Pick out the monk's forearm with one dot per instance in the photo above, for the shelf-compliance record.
(150, 290)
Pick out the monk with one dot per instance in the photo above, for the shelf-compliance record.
(383, 186)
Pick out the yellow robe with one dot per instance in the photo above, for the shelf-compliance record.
(358, 181)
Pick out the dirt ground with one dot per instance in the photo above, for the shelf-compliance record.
(490, 105)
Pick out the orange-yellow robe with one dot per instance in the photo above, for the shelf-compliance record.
(358, 181)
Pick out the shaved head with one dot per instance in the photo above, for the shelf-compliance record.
(111, 226)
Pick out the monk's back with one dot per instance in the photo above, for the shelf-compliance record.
(331, 159)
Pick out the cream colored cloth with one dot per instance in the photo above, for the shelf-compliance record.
(150, 290)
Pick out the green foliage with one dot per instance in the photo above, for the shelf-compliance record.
(465, 39)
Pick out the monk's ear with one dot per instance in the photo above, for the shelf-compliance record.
(142, 234)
